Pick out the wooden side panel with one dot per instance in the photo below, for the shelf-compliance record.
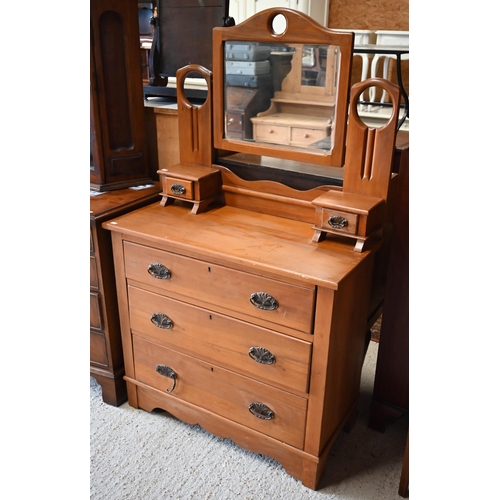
(167, 135)
(338, 353)
(121, 292)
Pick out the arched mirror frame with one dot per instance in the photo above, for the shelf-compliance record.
(300, 29)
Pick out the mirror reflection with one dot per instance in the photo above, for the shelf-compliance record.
(281, 94)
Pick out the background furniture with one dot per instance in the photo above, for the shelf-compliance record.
(389, 38)
(106, 355)
(183, 35)
(146, 13)
(391, 387)
(118, 148)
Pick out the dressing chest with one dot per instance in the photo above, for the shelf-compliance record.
(236, 317)
(106, 356)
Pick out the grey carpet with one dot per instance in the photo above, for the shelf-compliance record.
(139, 455)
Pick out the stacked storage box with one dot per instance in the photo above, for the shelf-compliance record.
(249, 86)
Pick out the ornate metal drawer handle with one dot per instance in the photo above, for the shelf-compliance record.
(260, 410)
(159, 271)
(263, 300)
(161, 320)
(337, 221)
(178, 189)
(166, 371)
(262, 355)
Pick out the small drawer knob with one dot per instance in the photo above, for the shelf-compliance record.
(159, 271)
(263, 300)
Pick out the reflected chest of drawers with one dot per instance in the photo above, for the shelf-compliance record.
(106, 357)
(238, 322)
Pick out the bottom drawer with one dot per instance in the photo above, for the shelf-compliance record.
(265, 409)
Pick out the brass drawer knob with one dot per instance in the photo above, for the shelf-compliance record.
(260, 410)
(166, 371)
(337, 221)
(159, 271)
(262, 355)
(178, 189)
(263, 300)
(161, 320)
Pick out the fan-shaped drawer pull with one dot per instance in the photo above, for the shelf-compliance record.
(263, 300)
(262, 355)
(338, 222)
(159, 271)
(166, 371)
(161, 320)
(178, 189)
(260, 410)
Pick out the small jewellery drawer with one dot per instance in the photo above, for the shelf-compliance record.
(271, 133)
(340, 221)
(272, 301)
(306, 136)
(262, 354)
(265, 409)
(180, 188)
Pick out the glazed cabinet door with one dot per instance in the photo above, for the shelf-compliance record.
(117, 129)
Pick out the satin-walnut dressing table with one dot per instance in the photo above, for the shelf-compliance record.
(248, 315)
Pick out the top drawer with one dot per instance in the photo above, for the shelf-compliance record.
(270, 300)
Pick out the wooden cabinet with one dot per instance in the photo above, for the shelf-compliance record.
(242, 104)
(106, 356)
(391, 386)
(235, 321)
(118, 147)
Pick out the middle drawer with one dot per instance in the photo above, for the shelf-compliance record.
(268, 356)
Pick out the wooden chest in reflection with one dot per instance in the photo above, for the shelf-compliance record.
(242, 104)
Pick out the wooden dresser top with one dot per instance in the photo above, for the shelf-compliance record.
(249, 241)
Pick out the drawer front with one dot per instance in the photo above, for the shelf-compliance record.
(247, 68)
(349, 222)
(98, 354)
(181, 188)
(271, 133)
(267, 356)
(234, 124)
(94, 280)
(95, 312)
(273, 301)
(306, 136)
(221, 391)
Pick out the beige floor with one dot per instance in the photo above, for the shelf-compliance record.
(139, 455)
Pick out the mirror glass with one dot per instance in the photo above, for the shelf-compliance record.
(281, 94)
